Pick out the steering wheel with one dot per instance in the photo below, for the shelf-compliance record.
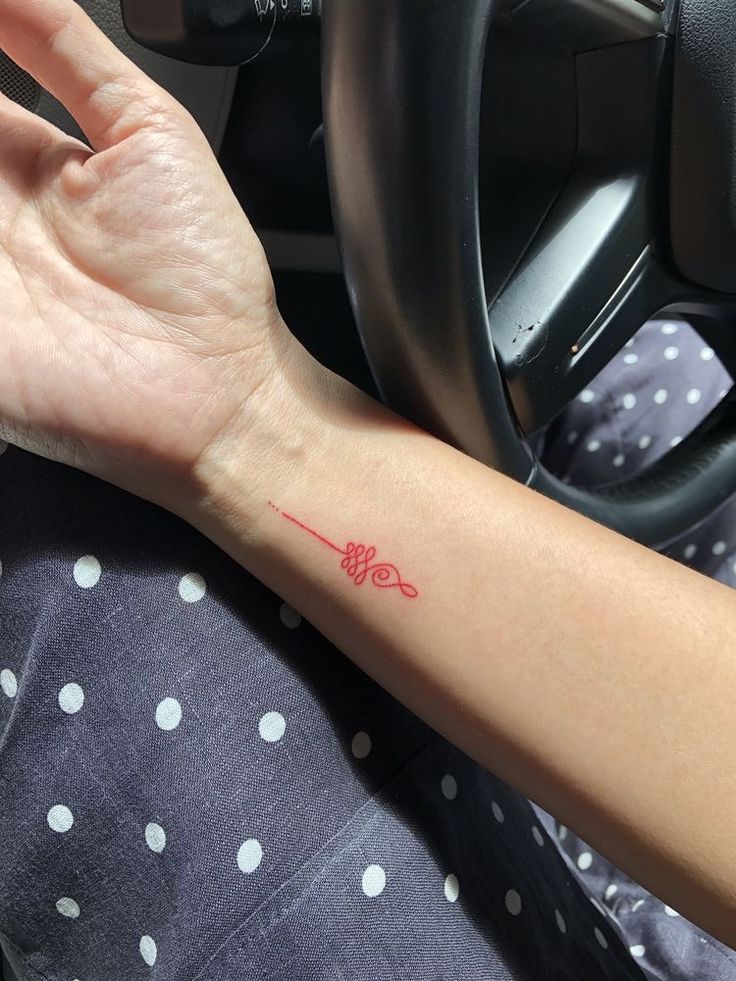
(518, 185)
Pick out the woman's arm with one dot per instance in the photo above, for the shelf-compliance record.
(140, 341)
(595, 676)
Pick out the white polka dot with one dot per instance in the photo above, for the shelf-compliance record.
(361, 745)
(592, 445)
(272, 726)
(585, 860)
(513, 902)
(669, 328)
(671, 353)
(638, 950)
(611, 890)
(192, 587)
(723, 393)
(690, 550)
(148, 950)
(694, 396)
(374, 880)
(60, 818)
(561, 832)
(168, 714)
(68, 907)
(630, 342)
(537, 835)
(155, 837)
(497, 812)
(631, 358)
(452, 888)
(560, 921)
(448, 785)
(619, 460)
(250, 855)
(629, 400)
(71, 698)
(671, 912)
(587, 395)
(660, 396)
(719, 548)
(8, 683)
(572, 437)
(637, 904)
(87, 571)
(600, 938)
(289, 616)
(645, 441)
(675, 440)
(707, 354)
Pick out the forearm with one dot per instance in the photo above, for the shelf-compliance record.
(593, 675)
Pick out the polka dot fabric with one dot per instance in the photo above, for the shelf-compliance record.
(196, 786)
(633, 413)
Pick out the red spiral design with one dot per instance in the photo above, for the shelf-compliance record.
(358, 561)
(357, 564)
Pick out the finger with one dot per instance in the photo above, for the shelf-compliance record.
(36, 132)
(23, 137)
(31, 149)
(21, 142)
(57, 43)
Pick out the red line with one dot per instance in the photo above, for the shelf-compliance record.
(313, 532)
(358, 559)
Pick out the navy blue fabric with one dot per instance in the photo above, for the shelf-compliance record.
(196, 786)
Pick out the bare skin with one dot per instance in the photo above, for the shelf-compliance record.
(138, 308)
(140, 341)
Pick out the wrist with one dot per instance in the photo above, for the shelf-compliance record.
(284, 431)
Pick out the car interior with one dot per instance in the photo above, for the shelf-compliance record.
(470, 206)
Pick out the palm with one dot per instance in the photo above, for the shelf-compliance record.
(133, 288)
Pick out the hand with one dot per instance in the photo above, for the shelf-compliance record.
(138, 314)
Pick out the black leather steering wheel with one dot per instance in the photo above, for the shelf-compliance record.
(482, 311)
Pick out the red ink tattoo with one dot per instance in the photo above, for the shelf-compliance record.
(358, 561)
